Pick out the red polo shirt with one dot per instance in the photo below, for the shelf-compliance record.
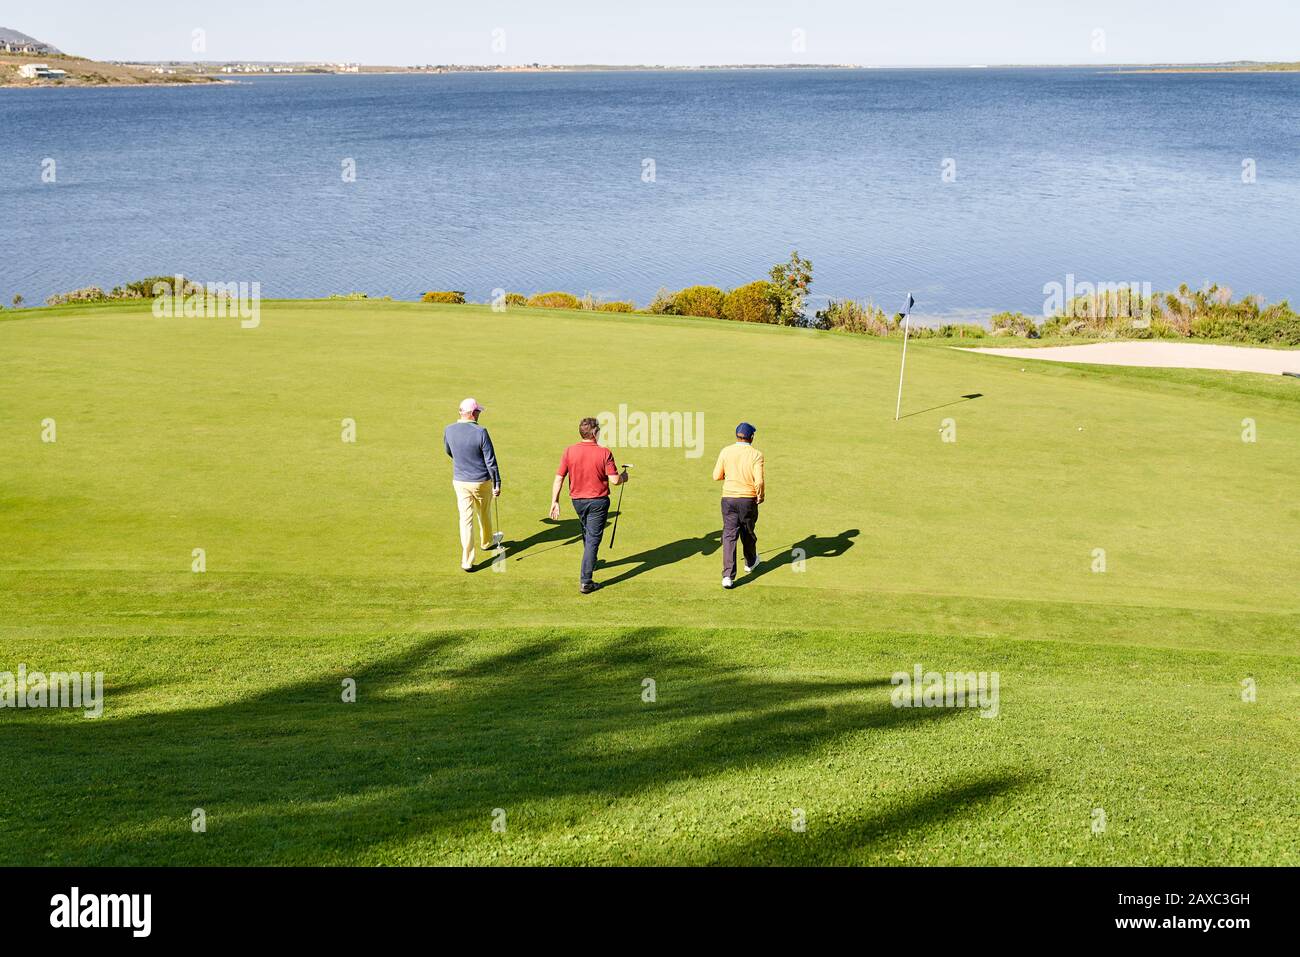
(587, 465)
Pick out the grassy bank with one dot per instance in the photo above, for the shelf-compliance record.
(1120, 690)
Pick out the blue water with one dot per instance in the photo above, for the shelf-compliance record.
(534, 181)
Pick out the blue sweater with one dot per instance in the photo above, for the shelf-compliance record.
(472, 456)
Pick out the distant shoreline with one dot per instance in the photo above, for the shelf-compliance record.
(1271, 68)
(90, 74)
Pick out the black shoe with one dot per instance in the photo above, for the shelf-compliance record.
(586, 588)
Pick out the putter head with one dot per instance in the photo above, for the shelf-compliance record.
(498, 538)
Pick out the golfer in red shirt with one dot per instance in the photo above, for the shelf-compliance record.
(591, 471)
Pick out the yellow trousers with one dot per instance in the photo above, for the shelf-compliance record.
(475, 501)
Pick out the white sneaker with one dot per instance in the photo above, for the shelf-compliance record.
(750, 568)
(466, 568)
(726, 583)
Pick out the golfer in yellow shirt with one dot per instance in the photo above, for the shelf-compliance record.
(740, 470)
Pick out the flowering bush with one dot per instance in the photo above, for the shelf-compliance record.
(790, 282)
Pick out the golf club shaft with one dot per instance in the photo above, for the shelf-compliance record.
(618, 509)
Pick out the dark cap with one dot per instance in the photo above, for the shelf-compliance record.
(745, 430)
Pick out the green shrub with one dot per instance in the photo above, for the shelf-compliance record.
(702, 301)
(351, 296)
(1207, 313)
(662, 303)
(1014, 324)
(88, 294)
(139, 289)
(862, 318)
(554, 300)
(961, 330)
(1160, 328)
(592, 304)
(1276, 325)
(755, 302)
(453, 297)
(1109, 313)
(144, 288)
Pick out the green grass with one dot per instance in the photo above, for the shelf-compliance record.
(328, 561)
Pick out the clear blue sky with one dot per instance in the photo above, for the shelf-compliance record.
(676, 32)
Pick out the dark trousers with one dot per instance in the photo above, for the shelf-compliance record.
(592, 512)
(739, 516)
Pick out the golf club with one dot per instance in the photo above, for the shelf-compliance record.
(618, 509)
(498, 536)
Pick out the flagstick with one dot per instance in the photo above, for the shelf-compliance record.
(907, 318)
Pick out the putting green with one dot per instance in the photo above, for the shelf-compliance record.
(1120, 690)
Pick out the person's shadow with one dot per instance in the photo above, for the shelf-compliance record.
(814, 546)
(643, 562)
(556, 534)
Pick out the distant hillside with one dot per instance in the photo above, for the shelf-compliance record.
(78, 71)
(11, 41)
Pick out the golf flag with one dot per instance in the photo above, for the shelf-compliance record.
(907, 316)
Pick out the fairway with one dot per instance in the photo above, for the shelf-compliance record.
(1104, 539)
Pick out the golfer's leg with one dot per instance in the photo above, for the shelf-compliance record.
(590, 545)
(748, 539)
(597, 514)
(730, 526)
(465, 503)
(483, 503)
(601, 509)
(580, 506)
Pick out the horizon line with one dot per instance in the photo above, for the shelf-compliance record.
(537, 64)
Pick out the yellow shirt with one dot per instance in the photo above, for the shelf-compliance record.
(740, 470)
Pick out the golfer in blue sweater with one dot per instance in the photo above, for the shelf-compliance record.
(475, 477)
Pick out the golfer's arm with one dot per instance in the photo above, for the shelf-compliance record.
(760, 479)
(490, 459)
(555, 489)
(719, 471)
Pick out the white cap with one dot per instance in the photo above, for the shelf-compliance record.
(470, 405)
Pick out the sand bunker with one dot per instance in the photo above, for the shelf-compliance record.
(1169, 355)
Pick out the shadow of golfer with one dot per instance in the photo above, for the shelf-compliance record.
(561, 532)
(663, 555)
(814, 546)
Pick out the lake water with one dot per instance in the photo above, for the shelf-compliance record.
(532, 182)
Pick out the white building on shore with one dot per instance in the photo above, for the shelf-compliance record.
(40, 71)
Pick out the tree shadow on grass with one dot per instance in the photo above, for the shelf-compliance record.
(439, 736)
(834, 843)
